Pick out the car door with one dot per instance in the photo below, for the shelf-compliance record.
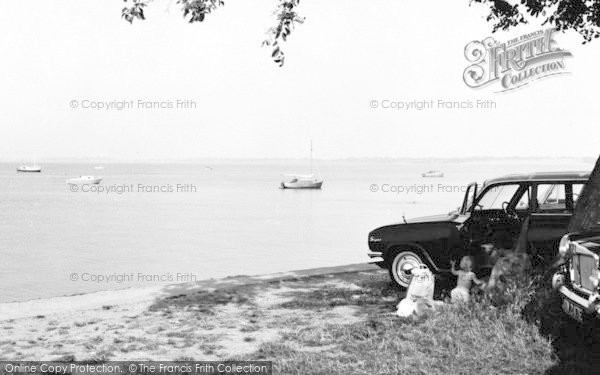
(551, 212)
(494, 217)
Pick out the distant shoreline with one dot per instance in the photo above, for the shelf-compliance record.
(103, 160)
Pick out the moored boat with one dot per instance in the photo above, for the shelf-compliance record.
(302, 182)
(29, 169)
(299, 181)
(84, 180)
(432, 174)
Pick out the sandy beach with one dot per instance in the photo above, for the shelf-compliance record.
(337, 320)
(210, 319)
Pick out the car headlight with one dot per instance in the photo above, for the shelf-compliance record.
(595, 279)
(558, 280)
(564, 245)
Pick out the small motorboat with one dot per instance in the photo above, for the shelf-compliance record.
(302, 182)
(29, 169)
(432, 174)
(91, 180)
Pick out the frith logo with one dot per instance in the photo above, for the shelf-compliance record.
(515, 63)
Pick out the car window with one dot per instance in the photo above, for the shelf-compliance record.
(577, 188)
(496, 196)
(551, 197)
(523, 203)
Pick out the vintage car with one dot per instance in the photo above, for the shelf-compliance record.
(578, 276)
(493, 213)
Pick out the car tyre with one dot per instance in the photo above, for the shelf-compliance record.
(399, 262)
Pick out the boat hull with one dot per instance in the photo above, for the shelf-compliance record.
(301, 185)
(79, 181)
(29, 170)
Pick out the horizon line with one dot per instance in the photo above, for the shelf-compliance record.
(238, 159)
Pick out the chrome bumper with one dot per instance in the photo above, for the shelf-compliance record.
(376, 256)
(589, 306)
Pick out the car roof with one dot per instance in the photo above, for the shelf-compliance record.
(540, 176)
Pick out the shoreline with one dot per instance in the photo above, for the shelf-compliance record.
(334, 320)
(141, 295)
(210, 320)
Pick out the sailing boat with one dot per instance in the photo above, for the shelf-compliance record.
(30, 168)
(299, 181)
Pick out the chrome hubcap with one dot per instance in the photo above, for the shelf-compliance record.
(403, 264)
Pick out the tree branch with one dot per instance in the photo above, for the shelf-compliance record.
(582, 16)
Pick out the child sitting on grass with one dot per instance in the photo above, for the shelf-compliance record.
(465, 278)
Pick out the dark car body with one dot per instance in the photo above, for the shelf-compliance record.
(578, 277)
(491, 214)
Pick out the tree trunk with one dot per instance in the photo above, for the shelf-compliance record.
(587, 209)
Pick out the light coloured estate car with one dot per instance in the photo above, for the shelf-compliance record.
(577, 279)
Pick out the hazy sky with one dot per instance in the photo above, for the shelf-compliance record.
(345, 55)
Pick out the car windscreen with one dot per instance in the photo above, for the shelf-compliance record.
(496, 196)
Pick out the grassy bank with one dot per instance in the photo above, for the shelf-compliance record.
(323, 324)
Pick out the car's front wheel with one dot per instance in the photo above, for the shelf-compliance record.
(400, 264)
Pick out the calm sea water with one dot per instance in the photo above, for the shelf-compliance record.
(236, 221)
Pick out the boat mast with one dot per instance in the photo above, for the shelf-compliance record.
(311, 161)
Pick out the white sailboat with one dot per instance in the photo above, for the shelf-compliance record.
(300, 181)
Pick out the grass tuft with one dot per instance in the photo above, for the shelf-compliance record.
(204, 302)
(488, 335)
